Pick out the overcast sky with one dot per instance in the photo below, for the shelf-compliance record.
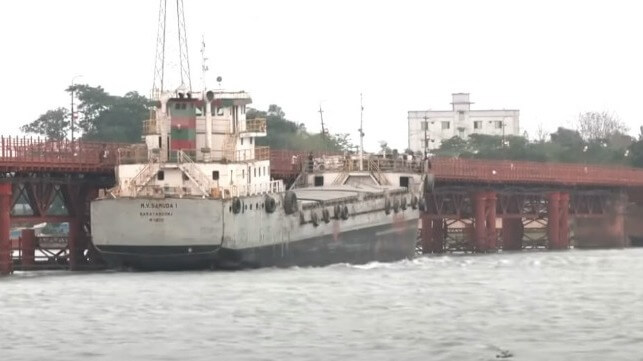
(550, 59)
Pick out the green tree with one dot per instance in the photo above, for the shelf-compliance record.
(286, 134)
(53, 124)
(103, 117)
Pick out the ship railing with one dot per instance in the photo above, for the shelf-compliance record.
(149, 171)
(244, 190)
(134, 154)
(257, 125)
(193, 172)
(352, 164)
(240, 155)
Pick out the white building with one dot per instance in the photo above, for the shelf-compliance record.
(428, 128)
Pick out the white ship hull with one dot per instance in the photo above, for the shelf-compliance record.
(182, 233)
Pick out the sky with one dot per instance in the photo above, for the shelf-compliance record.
(549, 59)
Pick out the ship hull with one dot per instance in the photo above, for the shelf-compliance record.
(205, 234)
(386, 243)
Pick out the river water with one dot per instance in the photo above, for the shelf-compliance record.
(573, 305)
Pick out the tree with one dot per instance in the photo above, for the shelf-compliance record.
(541, 133)
(53, 124)
(453, 147)
(286, 134)
(118, 120)
(599, 125)
(103, 116)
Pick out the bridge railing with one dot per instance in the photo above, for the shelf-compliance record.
(498, 171)
(28, 151)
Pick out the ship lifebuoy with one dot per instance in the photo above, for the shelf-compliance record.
(396, 205)
(414, 202)
(403, 203)
(337, 211)
(325, 215)
(271, 205)
(345, 212)
(290, 202)
(313, 218)
(387, 206)
(236, 205)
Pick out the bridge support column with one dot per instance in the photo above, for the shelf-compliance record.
(6, 266)
(553, 220)
(480, 221)
(512, 233)
(28, 248)
(73, 244)
(439, 229)
(605, 231)
(426, 233)
(563, 225)
(492, 234)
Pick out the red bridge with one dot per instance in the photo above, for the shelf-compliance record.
(485, 205)
(476, 205)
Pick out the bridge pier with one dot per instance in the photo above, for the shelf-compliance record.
(606, 230)
(6, 265)
(512, 234)
(438, 231)
(74, 249)
(27, 248)
(480, 221)
(492, 234)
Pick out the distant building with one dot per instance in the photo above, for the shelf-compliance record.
(428, 128)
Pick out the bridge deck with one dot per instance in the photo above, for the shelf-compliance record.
(502, 171)
(37, 155)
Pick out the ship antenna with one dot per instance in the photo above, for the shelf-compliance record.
(361, 133)
(321, 116)
(204, 65)
(184, 61)
(159, 63)
(158, 84)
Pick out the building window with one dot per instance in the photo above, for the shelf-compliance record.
(446, 125)
(477, 124)
(498, 124)
(160, 175)
(215, 175)
(250, 140)
(243, 173)
(461, 115)
(219, 111)
(241, 141)
(254, 172)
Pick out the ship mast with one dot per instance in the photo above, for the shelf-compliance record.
(321, 116)
(361, 133)
(158, 85)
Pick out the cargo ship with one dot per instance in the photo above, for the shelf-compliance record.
(198, 194)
